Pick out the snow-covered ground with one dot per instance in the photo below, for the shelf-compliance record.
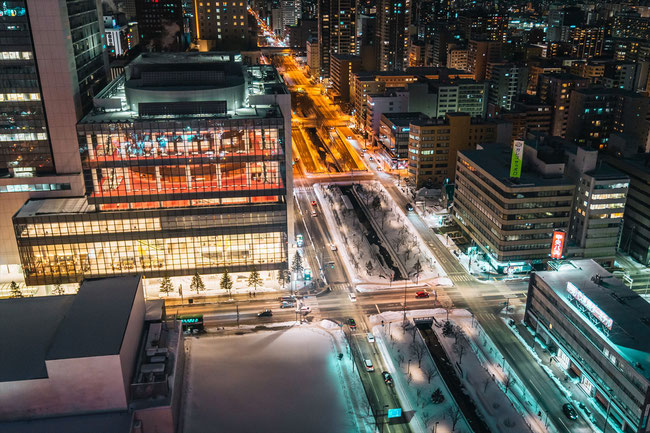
(364, 264)
(415, 384)
(280, 381)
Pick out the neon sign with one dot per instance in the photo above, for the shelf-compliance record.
(590, 306)
(557, 246)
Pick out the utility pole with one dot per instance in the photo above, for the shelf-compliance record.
(237, 307)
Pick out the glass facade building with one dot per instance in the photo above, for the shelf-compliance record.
(178, 179)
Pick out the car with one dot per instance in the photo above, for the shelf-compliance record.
(370, 158)
(368, 364)
(352, 324)
(569, 411)
(388, 379)
(290, 298)
(353, 297)
(313, 203)
(409, 207)
(379, 168)
(422, 294)
(349, 137)
(314, 213)
(371, 338)
(265, 313)
(287, 304)
(332, 247)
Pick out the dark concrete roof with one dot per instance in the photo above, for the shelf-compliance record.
(90, 323)
(113, 422)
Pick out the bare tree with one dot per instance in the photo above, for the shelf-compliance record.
(400, 358)
(430, 373)
(460, 346)
(409, 378)
(486, 383)
(454, 416)
(418, 351)
(447, 306)
(508, 382)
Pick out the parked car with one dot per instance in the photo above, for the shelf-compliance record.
(388, 379)
(569, 411)
(265, 313)
(422, 294)
(371, 338)
(369, 366)
(352, 324)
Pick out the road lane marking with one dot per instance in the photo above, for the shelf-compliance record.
(378, 310)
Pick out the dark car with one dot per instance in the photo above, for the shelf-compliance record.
(387, 378)
(409, 207)
(569, 411)
(265, 313)
(422, 294)
(351, 323)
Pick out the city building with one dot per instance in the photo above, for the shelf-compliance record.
(175, 152)
(507, 81)
(45, 90)
(161, 24)
(635, 236)
(313, 57)
(393, 100)
(121, 35)
(392, 37)
(342, 66)
(596, 113)
(631, 25)
(336, 30)
(224, 25)
(511, 220)
(434, 144)
(527, 115)
(393, 136)
(555, 90)
(305, 30)
(586, 42)
(99, 358)
(597, 215)
(560, 19)
(537, 67)
(479, 54)
(437, 97)
(596, 328)
(457, 57)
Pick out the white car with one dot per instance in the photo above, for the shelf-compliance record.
(353, 297)
(313, 213)
(332, 247)
(369, 366)
(371, 338)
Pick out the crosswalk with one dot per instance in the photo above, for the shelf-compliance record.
(460, 276)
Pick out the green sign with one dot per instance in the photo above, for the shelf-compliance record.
(517, 159)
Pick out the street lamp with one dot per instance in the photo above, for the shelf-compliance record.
(435, 427)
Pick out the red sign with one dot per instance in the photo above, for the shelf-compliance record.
(558, 245)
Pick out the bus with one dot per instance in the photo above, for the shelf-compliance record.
(192, 322)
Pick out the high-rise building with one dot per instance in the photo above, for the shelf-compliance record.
(598, 328)
(560, 19)
(555, 90)
(595, 113)
(507, 81)
(631, 25)
(53, 63)
(635, 237)
(337, 30)
(511, 220)
(527, 115)
(187, 166)
(121, 35)
(160, 24)
(437, 97)
(586, 42)
(225, 25)
(342, 66)
(392, 34)
(434, 144)
(479, 54)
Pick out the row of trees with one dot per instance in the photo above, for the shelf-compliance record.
(254, 279)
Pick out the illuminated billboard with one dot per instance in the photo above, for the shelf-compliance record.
(557, 246)
(517, 159)
(590, 306)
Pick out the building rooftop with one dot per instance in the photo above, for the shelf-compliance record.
(628, 311)
(90, 323)
(404, 119)
(70, 205)
(495, 160)
(111, 422)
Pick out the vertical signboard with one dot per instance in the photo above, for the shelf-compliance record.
(517, 159)
(557, 246)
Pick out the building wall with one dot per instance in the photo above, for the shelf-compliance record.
(73, 386)
(131, 341)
